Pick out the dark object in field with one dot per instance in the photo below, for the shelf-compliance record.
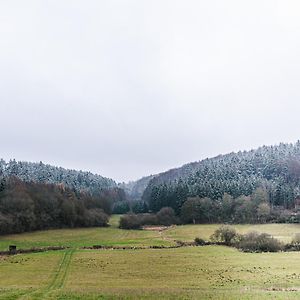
(12, 249)
(200, 242)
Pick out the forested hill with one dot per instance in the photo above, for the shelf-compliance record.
(35, 196)
(43, 173)
(276, 168)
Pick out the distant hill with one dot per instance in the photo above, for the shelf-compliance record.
(276, 168)
(135, 189)
(44, 173)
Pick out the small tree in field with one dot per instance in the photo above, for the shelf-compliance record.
(224, 234)
(130, 221)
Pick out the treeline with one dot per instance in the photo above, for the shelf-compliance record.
(276, 168)
(244, 209)
(125, 206)
(28, 206)
(166, 216)
(254, 208)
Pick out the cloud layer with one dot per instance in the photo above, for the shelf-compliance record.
(130, 88)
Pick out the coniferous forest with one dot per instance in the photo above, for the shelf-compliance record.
(276, 169)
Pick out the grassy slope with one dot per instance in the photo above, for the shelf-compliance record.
(210, 272)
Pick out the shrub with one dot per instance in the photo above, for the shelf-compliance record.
(149, 219)
(166, 216)
(199, 241)
(255, 242)
(96, 217)
(130, 221)
(294, 245)
(296, 239)
(225, 235)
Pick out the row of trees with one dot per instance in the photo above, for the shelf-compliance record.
(166, 216)
(244, 209)
(31, 206)
(255, 208)
(124, 207)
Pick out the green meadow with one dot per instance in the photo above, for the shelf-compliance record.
(209, 272)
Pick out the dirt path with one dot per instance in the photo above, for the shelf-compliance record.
(161, 231)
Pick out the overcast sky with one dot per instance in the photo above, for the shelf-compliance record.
(131, 88)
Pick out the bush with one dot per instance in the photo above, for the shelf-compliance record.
(225, 235)
(149, 219)
(96, 217)
(294, 245)
(255, 242)
(199, 241)
(130, 221)
(166, 216)
(296, 239)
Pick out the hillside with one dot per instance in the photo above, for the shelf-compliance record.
(44, 173)
(276, 168)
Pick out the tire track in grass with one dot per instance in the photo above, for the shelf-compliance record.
(61, 275)
(66, 269)
(58, 280)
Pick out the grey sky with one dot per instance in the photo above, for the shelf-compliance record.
(129, 88)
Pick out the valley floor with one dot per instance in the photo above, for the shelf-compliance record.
(209, 272)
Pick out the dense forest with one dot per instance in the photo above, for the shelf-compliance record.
(37, 196)
(276, 169)
(27, 206)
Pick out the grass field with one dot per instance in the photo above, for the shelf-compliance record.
(210, 272)
(80, 237)
(283, 232)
